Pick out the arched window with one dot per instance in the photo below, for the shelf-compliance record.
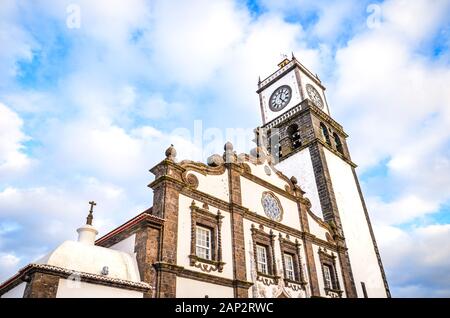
(294, 136)
(338, 143)
(325, 134)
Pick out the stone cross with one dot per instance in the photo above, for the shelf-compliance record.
(90, 216)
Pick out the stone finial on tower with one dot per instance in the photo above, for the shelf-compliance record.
(229, 154)
(171, 153)
(294, 180)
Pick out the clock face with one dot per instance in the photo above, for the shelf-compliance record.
(280, 98)
(314, 96)
(272, 206)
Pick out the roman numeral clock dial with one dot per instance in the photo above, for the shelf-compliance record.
(280, 98)
(314, 96)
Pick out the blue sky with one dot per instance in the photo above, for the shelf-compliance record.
(90, 101)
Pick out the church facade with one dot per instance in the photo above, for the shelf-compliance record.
(286, 220)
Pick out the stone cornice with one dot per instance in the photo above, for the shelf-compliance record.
(167, 179)
(25, 272)
(180, 271)
(259, 219)
(303, 107)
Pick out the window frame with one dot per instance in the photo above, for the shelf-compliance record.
(338, 143)
(294, 250)
(289, 268)
(209, 248)
(325, 133)
(267, 240)
(203, 218)
(329, 260)
(264, 262)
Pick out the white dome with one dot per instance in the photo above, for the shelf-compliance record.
(92, 259)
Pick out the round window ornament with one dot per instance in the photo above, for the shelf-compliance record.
(272, 206)
(267, 170)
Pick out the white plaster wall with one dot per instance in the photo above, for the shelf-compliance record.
(273, 178)
(126, 245)
(356, 230)
(305, 79)
(184, 238)
(215, 185)
(300, 166)
(16, 292)
(251, 193)
(189, 288)
(287, 79)
(72, 289)
(316, 229)
(259, 289)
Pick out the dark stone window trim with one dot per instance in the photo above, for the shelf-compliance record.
(204, 218)
(325, 133)
(338, 143)
(293, 249)
(267, 240)
(330, 261)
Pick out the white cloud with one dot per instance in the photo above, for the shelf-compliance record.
(8, 262)
(388, 94)
(191, 39)
(203, 58)
(19, 43)
(417, 260)
(12, 158)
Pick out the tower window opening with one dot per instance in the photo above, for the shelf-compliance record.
(294, 136)
(279, 152)
(325, 134)
(338, 143)
(274, 146)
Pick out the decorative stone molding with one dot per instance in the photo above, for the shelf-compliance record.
(202, 217)
(293, 249)
(333, 291)
(260, 237)
(192, 181)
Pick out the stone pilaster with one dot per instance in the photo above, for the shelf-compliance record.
(41, 285)
(166, 187)
(147, 248)
(237, 230)
(311, 266)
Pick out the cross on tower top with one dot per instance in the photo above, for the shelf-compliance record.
(90, 216)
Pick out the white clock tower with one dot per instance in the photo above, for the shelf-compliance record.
(308, 144)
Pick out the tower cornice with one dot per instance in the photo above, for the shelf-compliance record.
(272, 78)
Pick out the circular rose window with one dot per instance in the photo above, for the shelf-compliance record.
(272, 206)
